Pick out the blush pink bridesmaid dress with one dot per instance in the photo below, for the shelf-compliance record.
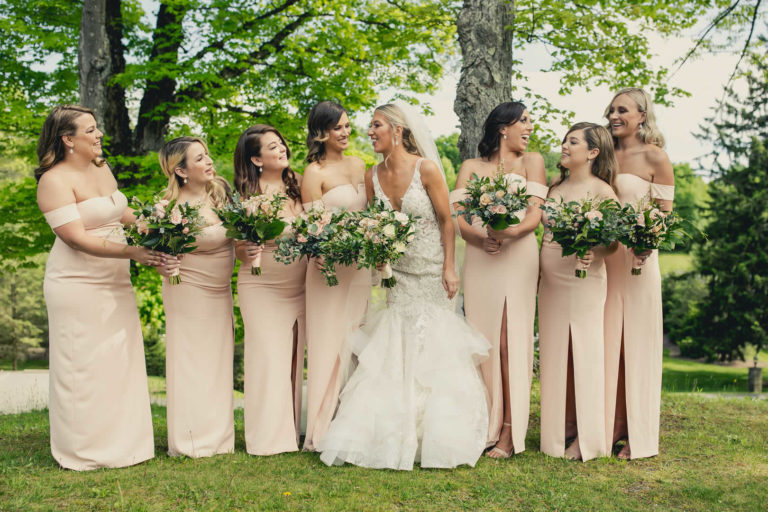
(99, 401)
(273, 310)
(200, 349)
(633, 315)
(494, 284)
(332, 313)
(570, 307)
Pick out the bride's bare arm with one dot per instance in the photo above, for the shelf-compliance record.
(437, 189)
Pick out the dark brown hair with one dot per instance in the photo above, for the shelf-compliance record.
(322, 118)
(247, 175)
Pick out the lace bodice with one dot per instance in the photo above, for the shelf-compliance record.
(419, 271)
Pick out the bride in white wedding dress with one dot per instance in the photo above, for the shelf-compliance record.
(416, 394)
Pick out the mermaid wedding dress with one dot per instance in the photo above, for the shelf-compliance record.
(416, 394)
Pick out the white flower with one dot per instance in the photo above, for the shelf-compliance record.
(399, 247)
(389, 231)
(175, 217)
(401, 218)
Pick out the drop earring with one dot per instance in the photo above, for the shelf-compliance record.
(258, 169)
(505, 136)
(395, 140)
(185, 181)
(71, 151)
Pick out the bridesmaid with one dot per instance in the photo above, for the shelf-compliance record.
(571, 309)
(198, 312)
(633, 315)
(272, 304)
(99, 403)
(331, 180)
(500, 275)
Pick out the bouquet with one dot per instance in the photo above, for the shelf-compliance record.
(648, 228)
(385, 236)
(490, 200)
(578, 226)
(165, 226)
(256, 219)
(316, 233)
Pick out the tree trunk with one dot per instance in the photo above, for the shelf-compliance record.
(160, 93)
(93, 58)
(15, 334)
(486, 71)
(100, 58)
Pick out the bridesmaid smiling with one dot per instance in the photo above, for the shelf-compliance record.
(571, 309)
(272, 304)
(198, 312)
(500, 275)
(332, 180)
(99, 403)
(633, 313)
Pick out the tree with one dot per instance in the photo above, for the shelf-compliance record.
(739, 117)
(23, 322)
(690, 195)
(214, 67)
(734, 260)
(487, 66)
(589, 43)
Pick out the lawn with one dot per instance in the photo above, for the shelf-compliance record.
(670, 262)
(714, 456)
(692, 376)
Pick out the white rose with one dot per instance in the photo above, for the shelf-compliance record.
(399, 247)
(389, 231)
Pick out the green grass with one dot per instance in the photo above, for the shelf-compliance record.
(157, 387)
(714, 456)
(7, 364)
(670, 262)
(692, 376)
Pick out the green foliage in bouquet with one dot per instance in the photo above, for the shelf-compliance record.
(578, 226)
(492, 201)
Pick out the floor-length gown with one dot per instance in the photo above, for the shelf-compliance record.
(491, 284)
(99, 401)
(200, 349)
(332, 313)
(416, 394)
(273, 310)
(633, 313)
(571, 307)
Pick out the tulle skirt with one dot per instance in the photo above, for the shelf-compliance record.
(416, 394)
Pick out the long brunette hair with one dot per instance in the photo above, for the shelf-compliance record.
(59, 123)
(247, 174)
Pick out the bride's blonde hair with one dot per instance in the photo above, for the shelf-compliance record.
(648, 132)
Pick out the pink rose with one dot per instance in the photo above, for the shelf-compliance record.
(142, 226)
(175, 217)
(485, 199)
(499, 194)
(301, 238)
(185, 230)
(499, 209)
(164, 202)
(159, 211)
(655, 214)
(185, 221)
(594, 215)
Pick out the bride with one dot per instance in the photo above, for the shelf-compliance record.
(415, 395)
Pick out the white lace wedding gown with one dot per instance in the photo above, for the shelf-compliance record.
(416, 394)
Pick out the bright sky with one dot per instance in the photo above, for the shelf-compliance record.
(703, 78)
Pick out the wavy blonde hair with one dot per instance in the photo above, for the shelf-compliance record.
(59, 123)
(173, 155)
(604, 166)
(648, 132)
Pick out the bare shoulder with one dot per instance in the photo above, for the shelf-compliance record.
(430, 170)
(54, 190)
(604, 190)
(659, 162)
(312, 169)
(533, 163)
